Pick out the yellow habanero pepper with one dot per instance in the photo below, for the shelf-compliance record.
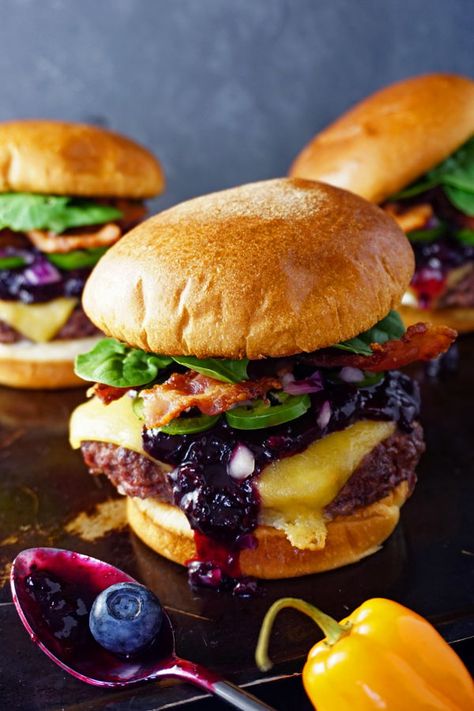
(382, 656)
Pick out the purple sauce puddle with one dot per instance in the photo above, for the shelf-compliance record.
(223, 511)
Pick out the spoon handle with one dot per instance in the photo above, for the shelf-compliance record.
(237, 697)
(213, 684)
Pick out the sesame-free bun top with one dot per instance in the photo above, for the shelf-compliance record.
(54, 157)
(391, 138)
(266, 269)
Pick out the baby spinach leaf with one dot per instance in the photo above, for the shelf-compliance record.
(113, 363)
(28, 211)
(388, 329)
(455, 174)
(229, 371)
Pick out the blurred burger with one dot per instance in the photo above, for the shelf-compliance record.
(410, 148)
(67, 193)
(246, 401)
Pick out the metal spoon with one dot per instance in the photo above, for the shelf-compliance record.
(53, 591)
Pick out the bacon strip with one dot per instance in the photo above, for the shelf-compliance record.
(133, 212)
(420, 342)
(107, 393)
(50, 242)
(164, 402)
(413, 218)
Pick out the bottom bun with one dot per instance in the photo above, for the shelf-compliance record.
(165, 529)
(39, 366)
(461, 319)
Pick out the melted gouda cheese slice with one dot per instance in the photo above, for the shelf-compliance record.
(38, 322)
(115, 423)
(293, 491)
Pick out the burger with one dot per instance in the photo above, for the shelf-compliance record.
(246, 398)
(67, 193)
(410, 148)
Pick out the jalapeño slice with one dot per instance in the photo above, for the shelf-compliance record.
(260, 414)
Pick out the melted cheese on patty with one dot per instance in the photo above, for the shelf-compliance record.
(38, 322)
(294, 491)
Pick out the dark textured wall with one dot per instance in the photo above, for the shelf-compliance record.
(225, 91)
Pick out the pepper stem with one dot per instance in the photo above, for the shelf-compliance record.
(333, 630)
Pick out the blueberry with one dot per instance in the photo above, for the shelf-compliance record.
(125, 618)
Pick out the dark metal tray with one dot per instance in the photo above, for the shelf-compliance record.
(428, 564)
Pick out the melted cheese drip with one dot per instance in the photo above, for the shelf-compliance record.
(38, 322)
(293, 491)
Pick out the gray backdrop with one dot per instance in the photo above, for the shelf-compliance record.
(225, 91)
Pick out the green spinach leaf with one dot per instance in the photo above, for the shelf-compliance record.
(113, 363)
(388, 329)
(78, 259)
(455, 174)
(461, 199)
(28, 211)
(228, 371)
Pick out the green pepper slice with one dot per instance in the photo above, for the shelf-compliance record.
(12, 262)
(426, 235)
(189, 425)
(259, 414)
(78, 259)
(370, 379)
(181, 425)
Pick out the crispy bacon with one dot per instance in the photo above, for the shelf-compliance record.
(164, 402)
(133, 212)
(420, 342)
(412, 218)
(107, 393)
(50, 242)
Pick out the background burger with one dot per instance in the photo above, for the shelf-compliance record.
(67, 193)
(410, 147)
(246, 401)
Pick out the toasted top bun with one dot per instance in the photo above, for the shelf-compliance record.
(392, 137)
(60, 158)
(267, 269)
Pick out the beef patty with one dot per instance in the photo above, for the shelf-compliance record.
(394, 460)
(77, 326)
(460, 295)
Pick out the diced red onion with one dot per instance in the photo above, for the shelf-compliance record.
(351, 375)
(324, 414)
(42, 272)
(313, 384)
(241, 463)
(287, 379)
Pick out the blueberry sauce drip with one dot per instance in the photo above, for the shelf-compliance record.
(15, 285)
(223, 511)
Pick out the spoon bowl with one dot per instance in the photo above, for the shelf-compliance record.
(53, 591)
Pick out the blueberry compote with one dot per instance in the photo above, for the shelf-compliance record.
(55, 590)
(17, 285)
(222, 510)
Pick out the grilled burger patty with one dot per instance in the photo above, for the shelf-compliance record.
(391, 462)
(461, 294)
(77, 326)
